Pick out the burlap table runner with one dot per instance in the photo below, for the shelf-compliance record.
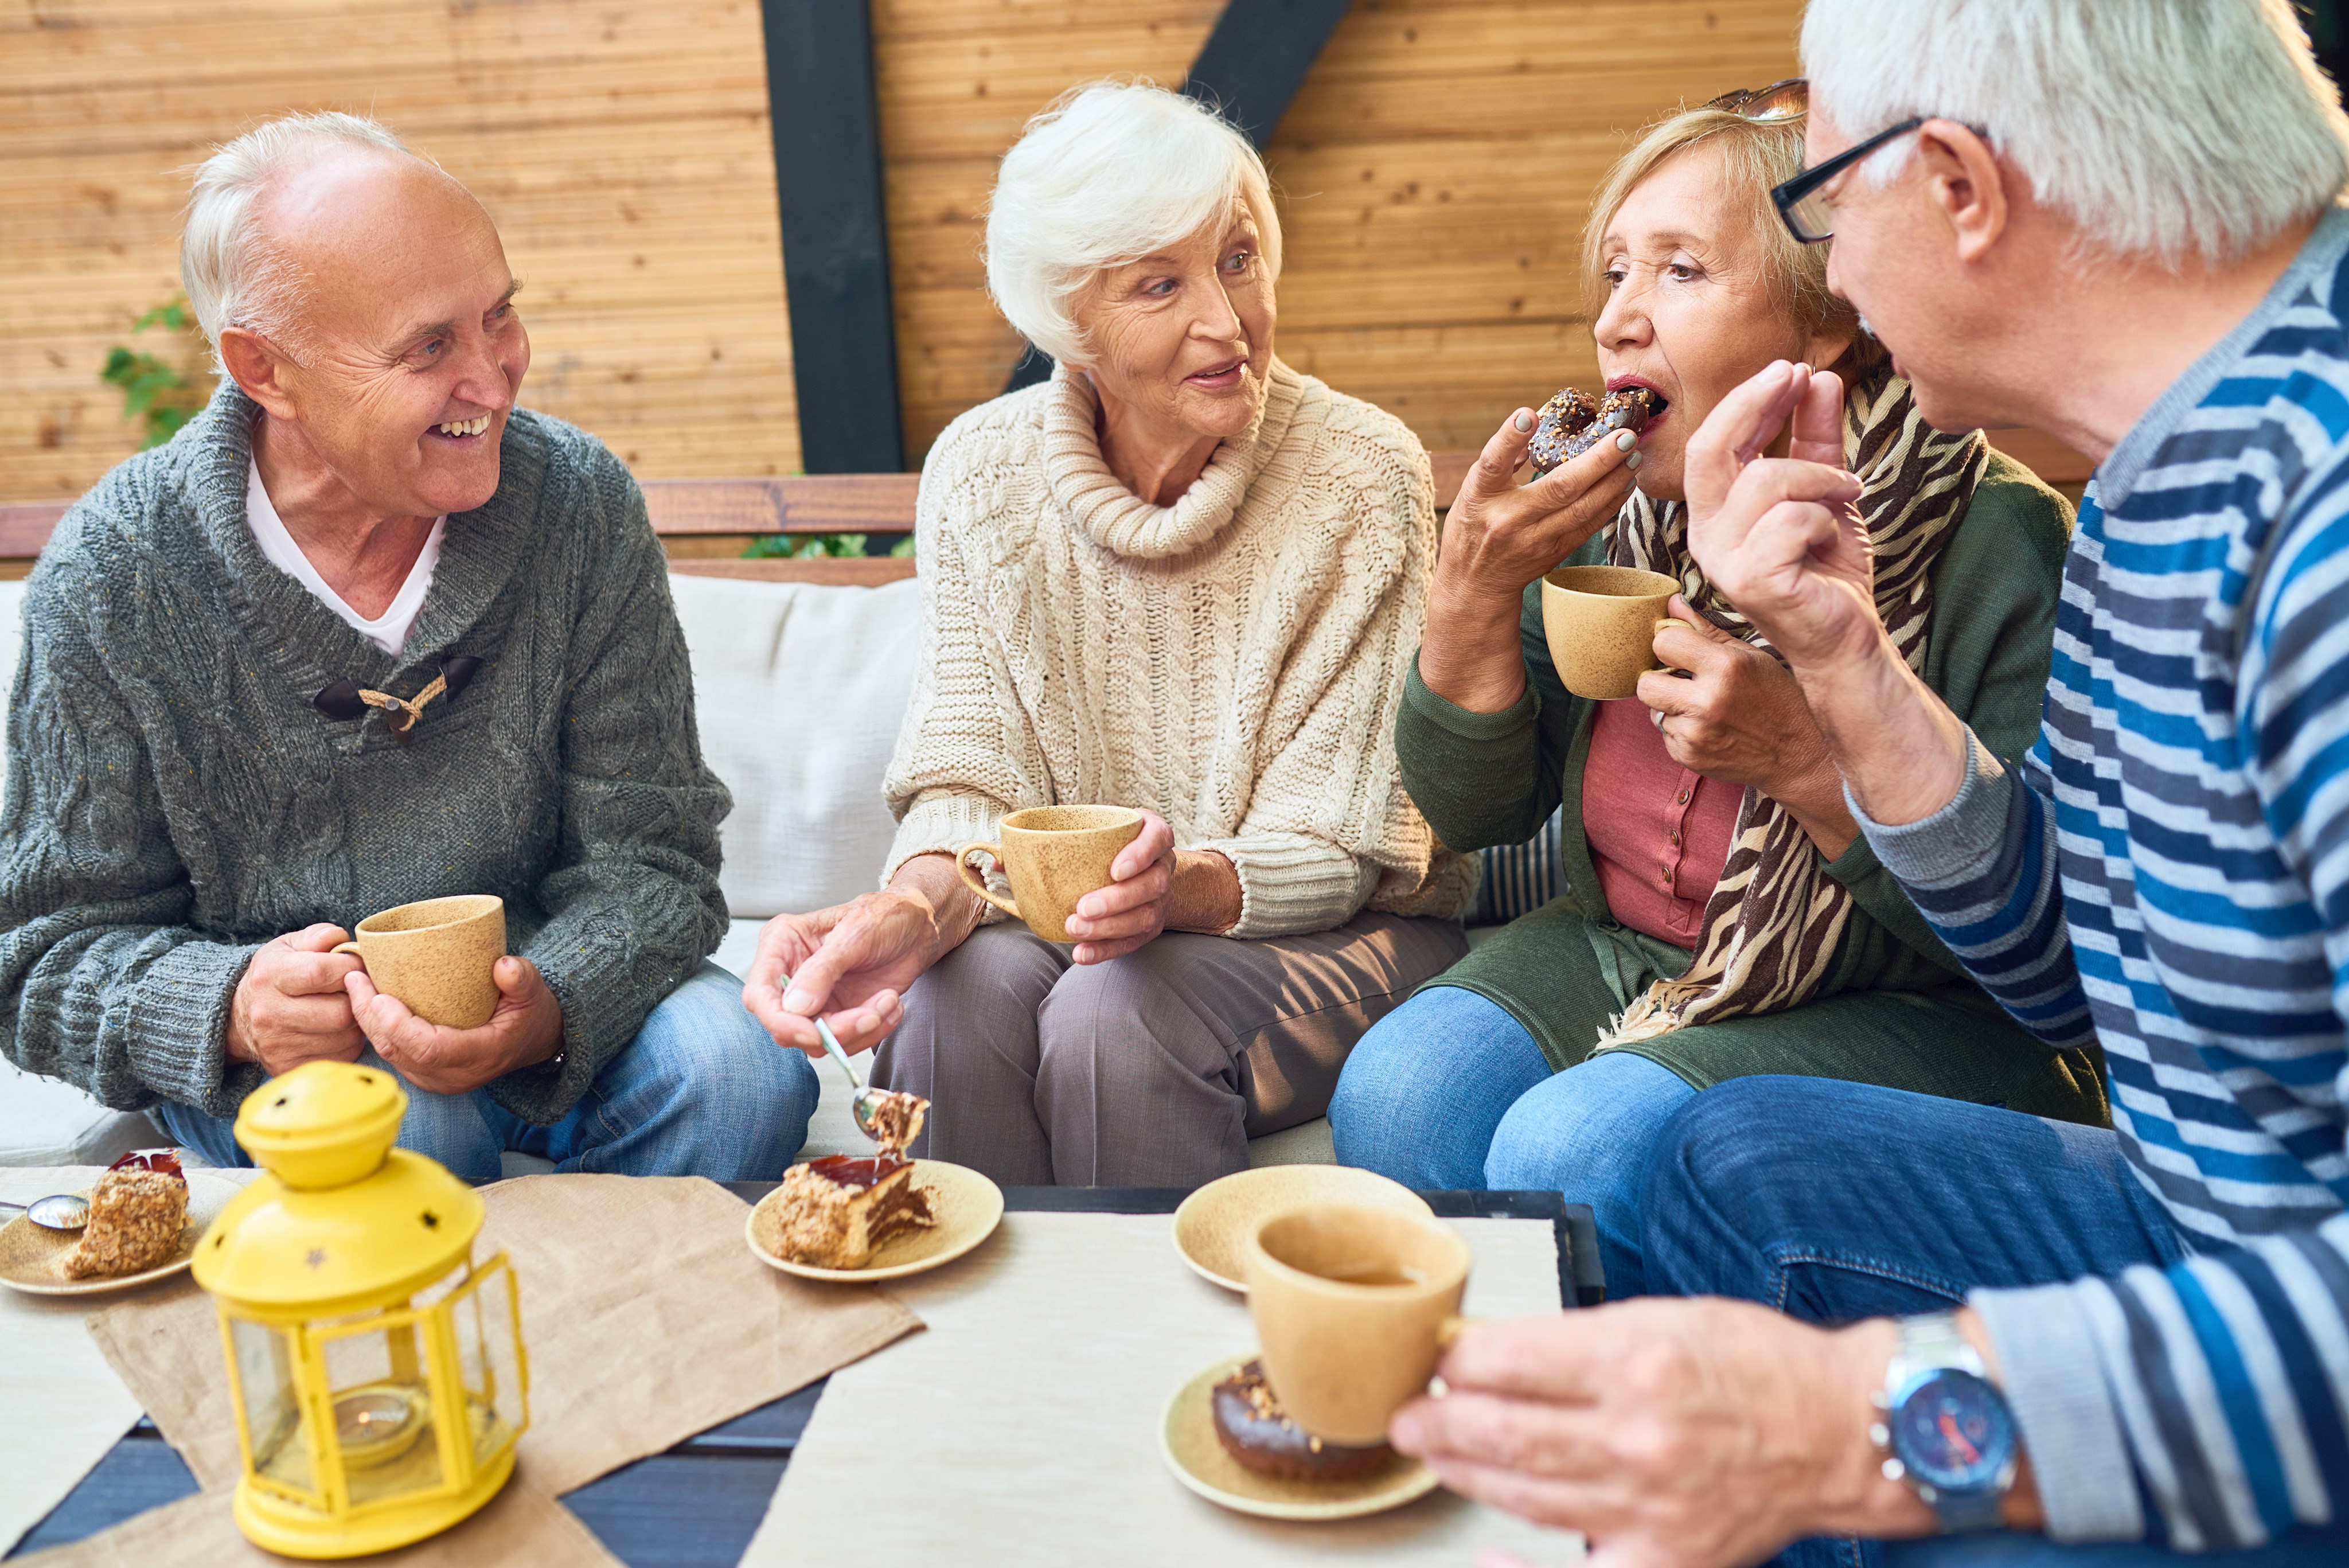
(1022, 1426)
(521, 1525)
(645, 1318)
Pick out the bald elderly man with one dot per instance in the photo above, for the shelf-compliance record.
(366, 631)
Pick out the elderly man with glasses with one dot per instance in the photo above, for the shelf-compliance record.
(2120, 224)
(366, 632)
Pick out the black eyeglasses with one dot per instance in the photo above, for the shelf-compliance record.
(1788, 99)
(1805, 212)
(346, 699)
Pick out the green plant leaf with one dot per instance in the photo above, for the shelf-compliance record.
(903, 550)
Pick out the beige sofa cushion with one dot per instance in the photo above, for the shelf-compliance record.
(799, 691)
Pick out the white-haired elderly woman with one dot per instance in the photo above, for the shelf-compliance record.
(1178, 576)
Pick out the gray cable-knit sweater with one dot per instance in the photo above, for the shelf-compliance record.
(175, 800)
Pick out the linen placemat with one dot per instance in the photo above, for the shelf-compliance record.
(645, 1317)
(521, 1527)
(1022, 1426)
(64, 1407)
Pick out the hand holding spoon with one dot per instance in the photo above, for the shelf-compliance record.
(888, 1117)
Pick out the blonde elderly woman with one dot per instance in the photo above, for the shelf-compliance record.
(1178, 576)
(1725, 917)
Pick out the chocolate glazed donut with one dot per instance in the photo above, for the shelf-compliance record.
(1254, 1430)
(1571, 423)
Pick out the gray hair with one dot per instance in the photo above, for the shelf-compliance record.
(2162, 129)
(1110, 172)
(226, 266)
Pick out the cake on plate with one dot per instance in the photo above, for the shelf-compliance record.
(137, 1213)
(834, 1212)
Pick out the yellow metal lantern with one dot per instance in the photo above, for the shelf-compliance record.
(377, 1373)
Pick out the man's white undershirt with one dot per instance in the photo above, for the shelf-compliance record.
(388, 630)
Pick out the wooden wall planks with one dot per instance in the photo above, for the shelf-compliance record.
(1434, 171)
(622, 147)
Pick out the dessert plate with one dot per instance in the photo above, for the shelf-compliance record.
(1212, 1221)
(968, 1206)
(1187, 1441)
(29, 1254)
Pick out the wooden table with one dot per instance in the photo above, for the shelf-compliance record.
(698, 1505)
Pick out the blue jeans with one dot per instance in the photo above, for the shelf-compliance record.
(1449, 1091)
(701, 1090)
(1833, 1201)
(1426, 1084)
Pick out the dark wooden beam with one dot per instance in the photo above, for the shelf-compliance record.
(827, 136)
(1249, 69)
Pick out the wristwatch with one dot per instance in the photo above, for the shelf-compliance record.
(1945, 1429)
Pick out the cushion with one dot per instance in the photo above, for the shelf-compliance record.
(800, 690)
(44, 1121)
(1519, 879)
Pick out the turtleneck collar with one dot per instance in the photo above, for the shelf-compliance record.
(1118, 520)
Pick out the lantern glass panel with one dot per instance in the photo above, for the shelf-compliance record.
(383, 1407)
(484, 1318)
(272, 1411)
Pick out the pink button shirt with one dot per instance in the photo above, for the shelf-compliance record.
(1659, 834)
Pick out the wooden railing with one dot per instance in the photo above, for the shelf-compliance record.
(690, 512)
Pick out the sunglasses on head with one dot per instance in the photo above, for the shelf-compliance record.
(1783, 100)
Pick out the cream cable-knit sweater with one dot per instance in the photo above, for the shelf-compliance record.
(1233, 662)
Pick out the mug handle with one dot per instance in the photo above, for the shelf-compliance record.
(1664, 624)
(977, 884)
(350, 948)
(1448, 1332)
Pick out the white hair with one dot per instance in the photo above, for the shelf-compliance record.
(232, 275)
(1110, 172)
(2161, 129)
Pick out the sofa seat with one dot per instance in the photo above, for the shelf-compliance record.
(799, 688)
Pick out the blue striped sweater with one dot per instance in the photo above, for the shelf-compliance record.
(2169, 874)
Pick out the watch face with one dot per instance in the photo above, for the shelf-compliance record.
(1953, 1431)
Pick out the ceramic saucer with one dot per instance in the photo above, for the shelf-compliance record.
(1187, 1441)
(1212, 1221)
(967, 1205)
(29, 1253)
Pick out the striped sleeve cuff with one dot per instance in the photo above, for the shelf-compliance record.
(2205, 1405)
(1958, 843)
(1983, 872)
(2049, 1370)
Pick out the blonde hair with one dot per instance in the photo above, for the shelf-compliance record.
(1755, 155)
(1109, 172)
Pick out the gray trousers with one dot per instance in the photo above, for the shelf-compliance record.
(1151, 1070)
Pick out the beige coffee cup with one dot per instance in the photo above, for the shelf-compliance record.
(438, 956)
(1353, 1307)
(1601, 624)
(1054, 855)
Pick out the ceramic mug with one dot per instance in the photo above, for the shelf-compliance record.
(437, 956)
(1054, 855)
(1353, 1307)
(1602, 623)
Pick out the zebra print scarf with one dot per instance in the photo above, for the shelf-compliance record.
(1775, 917)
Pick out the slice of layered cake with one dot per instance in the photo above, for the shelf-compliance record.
(137, 1211)
(834, 1212)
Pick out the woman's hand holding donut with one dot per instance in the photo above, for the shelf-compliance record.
(1500, 536)
(1737, 714)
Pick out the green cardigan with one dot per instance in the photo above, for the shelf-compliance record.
(1486, 779)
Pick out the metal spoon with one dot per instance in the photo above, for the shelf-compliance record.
(57, 1211)
(867, 1105)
